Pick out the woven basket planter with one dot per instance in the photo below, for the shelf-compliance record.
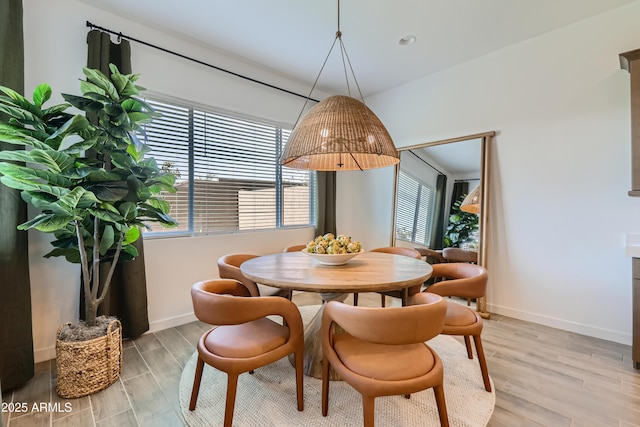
(86, 367)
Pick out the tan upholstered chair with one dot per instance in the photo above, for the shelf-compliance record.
(246, 339)
(406, 292)
(383, 351)
(431, 256)
(465, 281)
(229, 268)
(294, 248)
(460, 255)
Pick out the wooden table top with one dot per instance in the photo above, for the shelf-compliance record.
(368, 272)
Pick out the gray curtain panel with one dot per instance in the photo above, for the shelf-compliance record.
(436, 240)
(326, 206)
(127, 296)
(16, 339)
(460, 188)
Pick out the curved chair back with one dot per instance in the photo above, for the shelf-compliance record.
(376, 354)
(228, 302)
(393, 325)
(460, 255)
(245, 338)
(294, 248)
(432, 256)
(397, 250)
(229, 268)
(459, 280)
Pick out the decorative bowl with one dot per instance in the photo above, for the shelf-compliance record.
(332, 259)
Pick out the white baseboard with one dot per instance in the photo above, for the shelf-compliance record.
(565, 325)
(171, 322)
(48, 353)
(44, 354)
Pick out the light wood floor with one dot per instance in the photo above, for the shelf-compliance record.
(543, 377)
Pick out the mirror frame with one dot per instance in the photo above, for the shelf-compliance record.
(486, 138)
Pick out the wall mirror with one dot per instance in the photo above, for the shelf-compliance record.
(430, 178)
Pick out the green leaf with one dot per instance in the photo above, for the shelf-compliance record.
(55, 110)
(87, 200)
(161, 205)
(89, 88)
(76, 124)
(52, 160)
(46, 206)
(47, 222)
(131, 251)
(19, 185)
(99, 79)
(120, 81)
(109, 207)
(82, 103)
(41, 94)
(13, 95)
(70, 200)
(23, 116)
(131, 235)
(102, 175)
(106, 215)
(107, 239)
(15, 155)
(110, 191)
(72, 255)
(28, 174)
(128, 210)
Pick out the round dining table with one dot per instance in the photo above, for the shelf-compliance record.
(367, 272)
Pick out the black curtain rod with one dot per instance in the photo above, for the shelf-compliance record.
(467, 180)
(427, 163)
(122, 36)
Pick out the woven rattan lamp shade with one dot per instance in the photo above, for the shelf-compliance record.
(338, 134)
(471, 203)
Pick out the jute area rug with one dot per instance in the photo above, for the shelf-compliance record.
(268, 398)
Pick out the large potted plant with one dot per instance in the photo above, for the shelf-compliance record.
(94, 189)
(462, 230)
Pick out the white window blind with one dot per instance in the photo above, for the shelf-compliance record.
(228, 176)
(414, 209)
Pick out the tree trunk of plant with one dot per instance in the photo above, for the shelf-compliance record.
(91, 276)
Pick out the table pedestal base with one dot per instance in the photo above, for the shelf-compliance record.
(313, 342)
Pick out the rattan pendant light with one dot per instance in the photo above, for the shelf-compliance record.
(471, 203)
(340, 133)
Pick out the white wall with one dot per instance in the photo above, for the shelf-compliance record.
(55, 52)
(559, 208)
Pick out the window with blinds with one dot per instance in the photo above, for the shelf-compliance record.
(228, 176)
(414, 210)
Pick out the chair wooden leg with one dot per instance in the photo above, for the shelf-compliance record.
(299, 356)
(325, 386)
(405, 296)
(483, 362)
(232, 386)
(382, 300)
(442, 405)
(467, 343)
(196, 384)
(368, 410)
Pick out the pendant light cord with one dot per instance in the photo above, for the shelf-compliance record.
(345, 61)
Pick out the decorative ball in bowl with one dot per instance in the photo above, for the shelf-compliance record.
(333, 259)
(331, 250)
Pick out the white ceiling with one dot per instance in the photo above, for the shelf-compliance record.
(293, 37)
